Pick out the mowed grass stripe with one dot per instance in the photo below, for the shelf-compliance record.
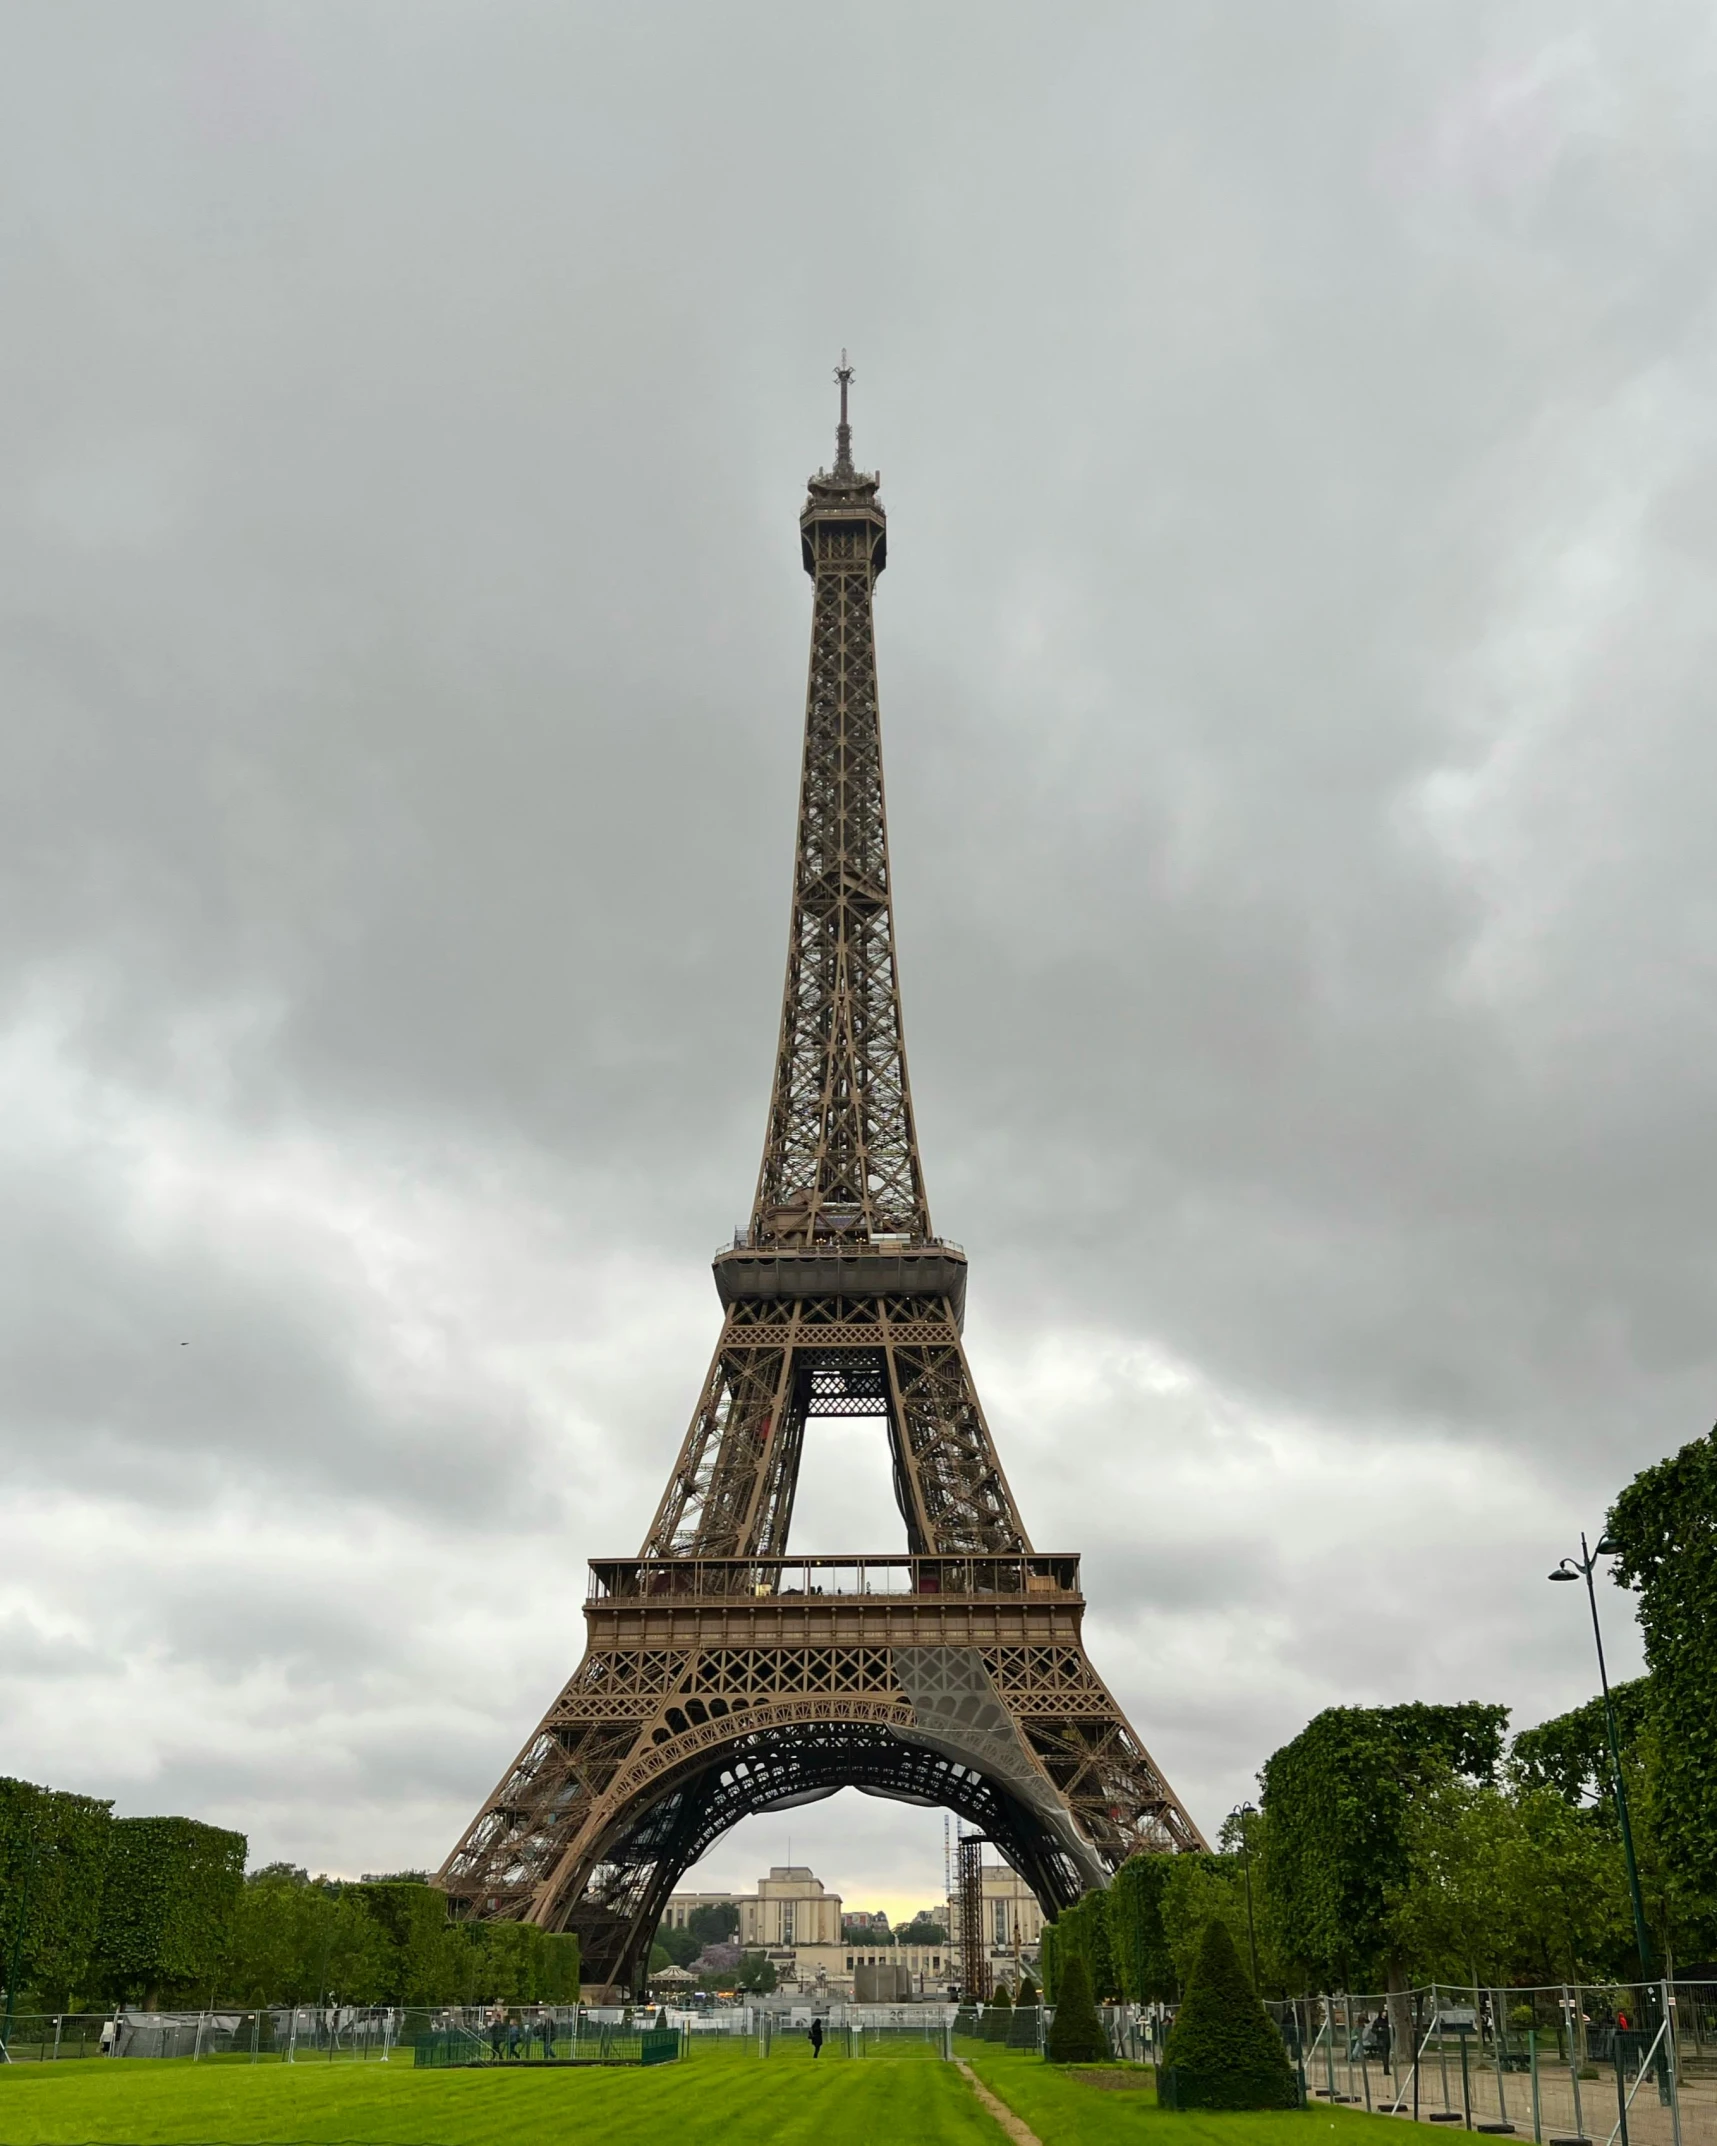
(786, 2100)
(1060, 2107)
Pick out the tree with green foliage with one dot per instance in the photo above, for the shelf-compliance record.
(1571, 1752)
(53, 1860)
(716, 1923)
(1075, 2032)
(424, 1966)
(1664, 1527)
(1570, 1757)
(518, 1963)
(1084, 1929)
(296, 1939)
(1507, 1883)
(167, 1904)
(1138, 1940)
(677, 1947)
(1223, 2052)
(1337, 1802)
(1200, 1887)
(1567, 1891)
(756, 1973)
(562, 1967)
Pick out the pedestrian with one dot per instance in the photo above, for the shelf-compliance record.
(816, 2039)
(515, 2035)
(545, 2032)
(497, 2031)
(109, 2035)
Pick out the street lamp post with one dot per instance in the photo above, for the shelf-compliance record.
(1240, 1813)
(1577, 1569)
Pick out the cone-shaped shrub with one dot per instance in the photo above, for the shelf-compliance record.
(1022, 2020)
(1076, 2033)
(997, 2013)
(1222, 2051)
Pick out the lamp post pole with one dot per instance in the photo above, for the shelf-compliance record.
(1240, 1813)
(1577, 1569)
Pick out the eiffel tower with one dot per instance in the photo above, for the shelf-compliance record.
(721, 1676)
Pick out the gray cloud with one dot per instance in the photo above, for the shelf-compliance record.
(1300, 453)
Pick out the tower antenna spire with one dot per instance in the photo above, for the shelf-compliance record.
(844, 431)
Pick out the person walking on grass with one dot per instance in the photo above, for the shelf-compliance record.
(816, 2039)
(545, 2032)
(497, 2031)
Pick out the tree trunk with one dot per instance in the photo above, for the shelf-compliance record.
(1401, 2030)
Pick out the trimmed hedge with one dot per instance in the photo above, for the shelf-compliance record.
(1022, 2020)
(1665, 1527)
(1223, 2051)
(1076, 2033)
(167, 1907)
(414, 1917)
(1138, 1940)
(53, 1858)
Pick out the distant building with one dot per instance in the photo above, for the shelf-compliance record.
(797, 1924)
(924, 1970)
(790, 1910)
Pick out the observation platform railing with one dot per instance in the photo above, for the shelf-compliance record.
(727, 1579)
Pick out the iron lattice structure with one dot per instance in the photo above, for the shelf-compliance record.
(722, 1677)
(974, 1938)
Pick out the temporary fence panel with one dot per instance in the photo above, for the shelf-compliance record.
(1610, 2064)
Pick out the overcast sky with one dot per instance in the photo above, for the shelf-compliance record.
(1298, 433)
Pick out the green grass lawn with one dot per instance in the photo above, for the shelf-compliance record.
(723, 2093)
(1061, 2107)
(788, 2101)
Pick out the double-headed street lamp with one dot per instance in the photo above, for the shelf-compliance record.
(1581, 1568)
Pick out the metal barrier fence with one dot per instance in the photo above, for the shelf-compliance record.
(545, 2041)
(1614, 2064)
(268, 2034)
(858, 2033)
(457, 2034)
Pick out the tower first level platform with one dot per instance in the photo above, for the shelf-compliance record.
(713, 1688)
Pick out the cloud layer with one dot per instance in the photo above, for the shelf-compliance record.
(1302, 469)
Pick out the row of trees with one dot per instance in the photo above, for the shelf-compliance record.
(1397, 1845)
(98, 1909)
(297, 1940)
(1412, 1843)
(679, 1946)
(713, 1926)
(117, 1907)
